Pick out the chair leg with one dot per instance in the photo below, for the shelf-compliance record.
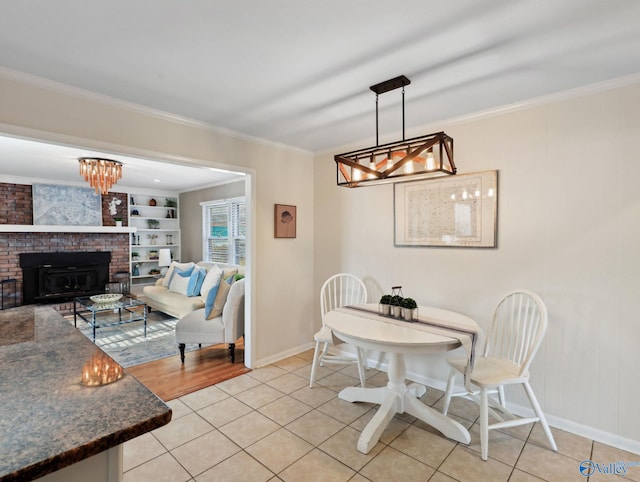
(501, 398)
(361, 365)
(543, 420)
(449, 390)
(181, 346)
(232, 352)
(314, 365)
(484, 423)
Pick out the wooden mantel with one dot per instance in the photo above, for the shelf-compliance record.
(30, 228)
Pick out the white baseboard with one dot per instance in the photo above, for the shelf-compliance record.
(284, 354)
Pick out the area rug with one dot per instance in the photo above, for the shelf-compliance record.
(128, 346)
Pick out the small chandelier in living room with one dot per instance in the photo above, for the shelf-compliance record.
(417, 158)
(100, 173)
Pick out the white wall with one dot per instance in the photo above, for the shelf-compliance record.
(280, 271)
(568, 228)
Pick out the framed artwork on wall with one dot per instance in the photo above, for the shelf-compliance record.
(66, 205)
(285, 219)
(457, 211)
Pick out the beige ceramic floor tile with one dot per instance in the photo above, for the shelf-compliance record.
(140, 450)
(292, 363)
(316, 466)
(461, 407)
(519, 476)
(344, 411)
(306, 355)
(548, 465)
(223, 412)
(337, 381)
(288, 383)
(249, 428)
(343, 447)
(285, 410)
(358, 478)
(606, 455)
(392, 464)
(380, 379)
(201, 398)
(239, 468)
(569, 444)
(269, 372)
(279, 450)
(315, 396)
(204, 452)
(467, 466)
(432, 396)
(161, 469)
(352, 371)
(235, 385)
(182, 430)
(315, 427)
(259, 396)
(178, 408)
(305, 372)
(502, 446)
(424, 446)
(440, 477)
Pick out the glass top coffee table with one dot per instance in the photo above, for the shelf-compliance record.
(101, 314)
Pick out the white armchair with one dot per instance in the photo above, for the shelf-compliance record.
(226, 328)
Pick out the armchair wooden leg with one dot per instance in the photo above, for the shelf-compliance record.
(181, 346)
(232, 352)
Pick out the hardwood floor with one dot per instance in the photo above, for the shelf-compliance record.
(169, 378)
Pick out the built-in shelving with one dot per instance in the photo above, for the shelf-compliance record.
(157, 227)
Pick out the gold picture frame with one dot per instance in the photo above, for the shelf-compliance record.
(285, 220)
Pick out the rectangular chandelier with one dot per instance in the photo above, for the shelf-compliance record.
(421, 157)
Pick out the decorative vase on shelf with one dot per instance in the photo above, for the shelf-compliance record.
(152, 202)
(118, 223)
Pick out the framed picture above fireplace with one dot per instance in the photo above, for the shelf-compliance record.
(66, 205)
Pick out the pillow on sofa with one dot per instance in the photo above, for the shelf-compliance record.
(212, 279)
(174, 265)
(195, 281)
(180, 281)
(216, 299)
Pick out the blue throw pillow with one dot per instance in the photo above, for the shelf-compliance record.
(182, 272)
(195, 281)
(211, 298)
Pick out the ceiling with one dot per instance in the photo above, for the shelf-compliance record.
(298, 72)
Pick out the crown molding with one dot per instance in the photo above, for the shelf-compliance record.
(78, 92)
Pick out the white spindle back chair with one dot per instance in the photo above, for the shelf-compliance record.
(339, 290)
(516, 332)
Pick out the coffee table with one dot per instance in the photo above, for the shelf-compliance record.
(99, 315)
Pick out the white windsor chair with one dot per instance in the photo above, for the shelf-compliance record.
(339, 290)
(516, 332)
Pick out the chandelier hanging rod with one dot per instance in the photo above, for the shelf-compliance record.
(387, 86)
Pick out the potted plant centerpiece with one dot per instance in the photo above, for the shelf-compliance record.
(384, 305)
(396, 306)
(409, 309)
(135, 256)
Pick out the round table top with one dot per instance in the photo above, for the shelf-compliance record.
(390, 335)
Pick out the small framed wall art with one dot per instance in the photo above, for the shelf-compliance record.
(285, 220)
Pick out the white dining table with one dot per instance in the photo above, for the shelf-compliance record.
(362, 327)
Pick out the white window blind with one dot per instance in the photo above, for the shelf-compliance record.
(225, 231)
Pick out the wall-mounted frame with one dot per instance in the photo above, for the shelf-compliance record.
(285, 220)
(458, 211)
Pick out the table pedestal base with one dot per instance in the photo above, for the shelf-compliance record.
(398, 397)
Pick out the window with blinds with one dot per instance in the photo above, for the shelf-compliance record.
(225, 231)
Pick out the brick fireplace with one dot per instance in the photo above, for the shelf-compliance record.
(17, 209)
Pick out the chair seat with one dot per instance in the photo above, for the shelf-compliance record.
(195, 328)
(490, 372)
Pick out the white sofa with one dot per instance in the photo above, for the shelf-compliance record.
(192, 326)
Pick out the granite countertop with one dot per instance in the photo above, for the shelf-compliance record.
(49, 420)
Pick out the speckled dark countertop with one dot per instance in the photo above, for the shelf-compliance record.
(48, 419)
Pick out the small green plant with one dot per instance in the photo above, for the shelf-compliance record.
(385, 300)
(135, 254)
(153, 223)
(396, 300)
(409, 303)
(170, 203)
